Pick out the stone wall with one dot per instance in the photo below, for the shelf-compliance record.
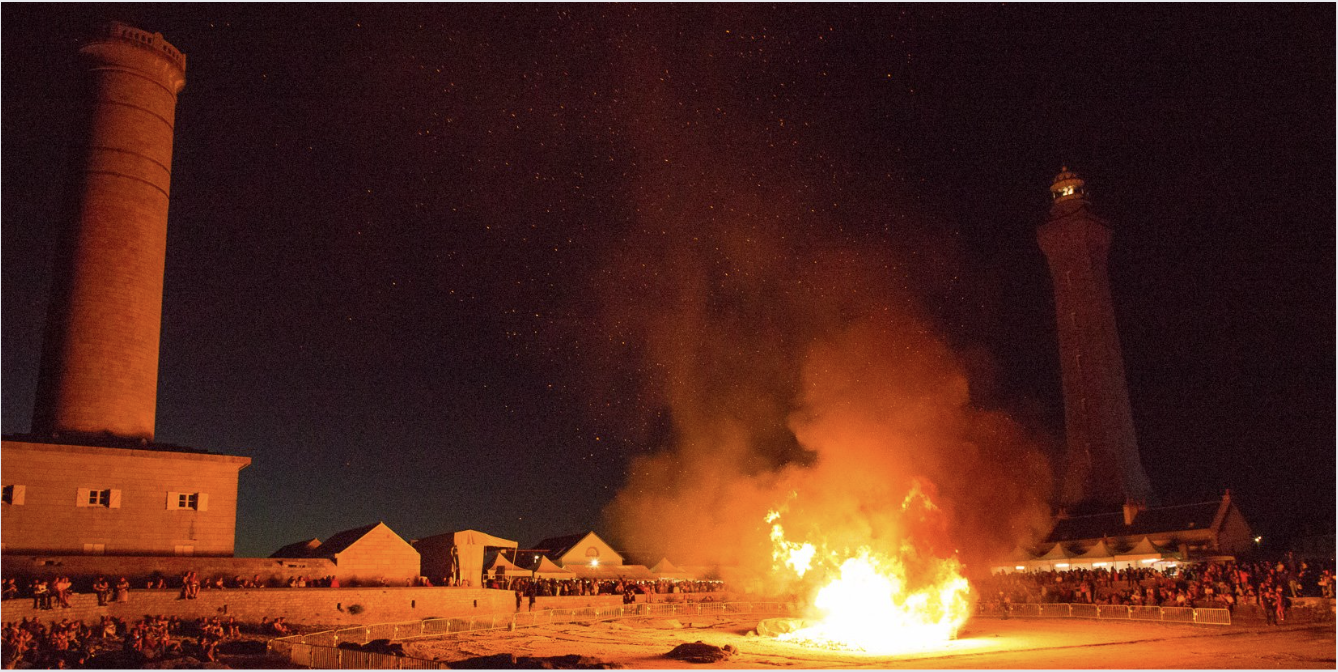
(308, 606)
(317, 606)
(83, 569)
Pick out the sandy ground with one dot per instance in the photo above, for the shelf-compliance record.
(985, 643)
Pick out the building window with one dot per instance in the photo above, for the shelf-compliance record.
(95, 549)
(182, 549)
(592, 552)
(196, 501)
(14, 494)
(106, 498)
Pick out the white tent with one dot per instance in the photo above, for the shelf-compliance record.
(613, 572)
(470, 546)
(666, 570)
(501, 567)
(1098, 555)
(1020, 560)
(1057, 558)
(547, 569)
(1143, 554)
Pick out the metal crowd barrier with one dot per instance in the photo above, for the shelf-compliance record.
(1122, 612)
(319, 650)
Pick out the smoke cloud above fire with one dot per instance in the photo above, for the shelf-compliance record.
(768, 348)
(790, 368)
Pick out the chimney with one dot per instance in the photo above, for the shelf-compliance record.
(1131, 509)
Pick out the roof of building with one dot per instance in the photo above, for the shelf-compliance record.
(342, 540)
(555, 547)
(298, 549)
(103, 444)
(1152, 521)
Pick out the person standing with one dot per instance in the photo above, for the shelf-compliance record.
(123, 590)
(41, 595)
(103, 590)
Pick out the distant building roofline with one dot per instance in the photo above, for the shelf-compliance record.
(105, 444)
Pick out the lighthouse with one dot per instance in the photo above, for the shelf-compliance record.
(99, 371)
(1102, 460)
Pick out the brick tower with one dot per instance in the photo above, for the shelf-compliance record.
(1103, 465)
(99, 373)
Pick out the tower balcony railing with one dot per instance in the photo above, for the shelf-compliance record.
(145, 40)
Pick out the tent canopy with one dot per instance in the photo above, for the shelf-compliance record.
(613, 572)
(1145, 547)
(507, 567)
(1020, 554)
(476, 538)
(1099, 552)
(666, 570)
(547, 569)
(1058, 552)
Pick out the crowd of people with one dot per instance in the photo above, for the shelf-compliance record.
(583, 587)
(1270, 585)
(115, 643)
(55, 593)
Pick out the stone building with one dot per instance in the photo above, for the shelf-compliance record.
(1139, 536)
(72, 499)
(366, 555)
(90, 478)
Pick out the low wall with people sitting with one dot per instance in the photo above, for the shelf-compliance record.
(140, 569)
(309, 606)
(318, 606)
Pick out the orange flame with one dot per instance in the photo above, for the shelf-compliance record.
(868, 601)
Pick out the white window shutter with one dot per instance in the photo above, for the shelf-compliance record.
(82, 498)
(172, 499)
(203, 503)
(16, 495)
(115, 502)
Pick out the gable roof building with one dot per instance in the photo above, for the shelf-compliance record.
(585, 549)
(298, 549)
(371, 554)
(1141, 536)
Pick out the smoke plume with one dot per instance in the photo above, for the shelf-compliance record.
(781, 359)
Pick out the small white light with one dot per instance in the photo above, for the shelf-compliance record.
(1258, 539)
(1061, 564)
(594, 562)
(1020, 568)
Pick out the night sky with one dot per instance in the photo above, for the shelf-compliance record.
(393, 229)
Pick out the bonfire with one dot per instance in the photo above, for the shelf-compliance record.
(860, 599)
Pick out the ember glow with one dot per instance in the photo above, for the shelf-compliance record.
(863, 600)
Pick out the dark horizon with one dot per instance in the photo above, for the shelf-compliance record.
(391, 230)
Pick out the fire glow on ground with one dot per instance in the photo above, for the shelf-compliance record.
(984, 643)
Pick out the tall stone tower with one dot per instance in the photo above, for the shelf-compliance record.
(1103, 462)
(99, 372)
